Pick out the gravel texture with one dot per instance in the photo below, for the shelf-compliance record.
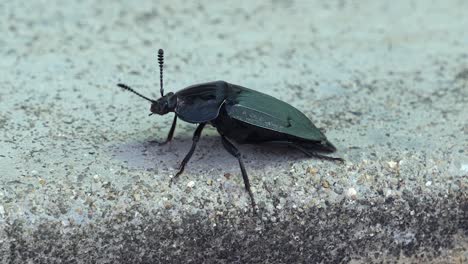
(81, 183)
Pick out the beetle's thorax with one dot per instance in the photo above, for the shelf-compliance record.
(164, 105)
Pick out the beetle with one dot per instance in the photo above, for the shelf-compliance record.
(239, 114)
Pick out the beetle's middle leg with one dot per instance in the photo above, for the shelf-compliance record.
(170, 135)
(196, 137)
(235, 152)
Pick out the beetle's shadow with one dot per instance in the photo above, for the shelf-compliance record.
(209, 156)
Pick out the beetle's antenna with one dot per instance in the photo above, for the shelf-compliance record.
(121, 85)
(161, 62)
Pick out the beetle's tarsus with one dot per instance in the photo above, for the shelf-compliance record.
(235, 152)
(315, 155)
(327, 158)
(155, 142)
(181, 170)
(339, 160)
(172, 180)
(169, 136)
(159, 143)
(176, 177)
(163, 143)
(196, 137)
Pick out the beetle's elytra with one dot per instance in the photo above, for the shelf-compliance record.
(241, 115)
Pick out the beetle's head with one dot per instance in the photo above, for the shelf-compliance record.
(167, 103)
(164, 105)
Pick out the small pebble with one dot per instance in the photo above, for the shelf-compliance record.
(42, 182)
(428, 183)
(325, 184)
(392, 164)
(388, 193)
(190, 184)
(351, 193)
(312, 170)
(338, 189)
(464, 167)
(167, 205)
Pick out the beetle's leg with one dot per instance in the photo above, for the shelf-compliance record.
(315, 155)
(196, 137)
(235, 152)
(171, 132)
(169, 136)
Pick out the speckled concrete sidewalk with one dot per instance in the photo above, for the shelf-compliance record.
(80, 182)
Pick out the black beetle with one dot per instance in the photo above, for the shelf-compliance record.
(239, 114)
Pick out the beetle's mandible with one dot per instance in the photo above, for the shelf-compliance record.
(239, 114)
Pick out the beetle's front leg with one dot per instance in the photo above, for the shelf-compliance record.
(170, 135)
(171, 132)
(196, 137)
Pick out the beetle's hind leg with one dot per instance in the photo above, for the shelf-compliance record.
(313, 154)
(170, 135)
(196, 137)
(235, 152)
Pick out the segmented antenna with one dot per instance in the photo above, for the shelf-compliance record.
(123, 86)
(161, 62)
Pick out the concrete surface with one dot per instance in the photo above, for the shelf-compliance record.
(79, 182)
